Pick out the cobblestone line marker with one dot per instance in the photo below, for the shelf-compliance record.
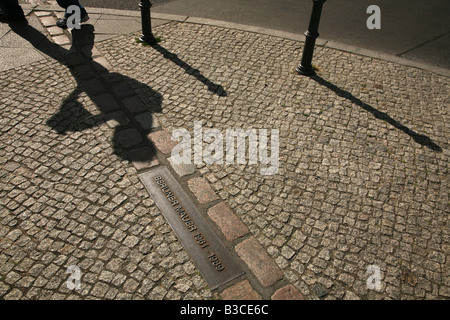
(259, 262)
(209, 254)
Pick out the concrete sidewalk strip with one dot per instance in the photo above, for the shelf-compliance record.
(10, 58)
(161, 18)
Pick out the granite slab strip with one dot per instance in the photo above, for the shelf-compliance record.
(240, 291)
(259, 262)
(227, 221)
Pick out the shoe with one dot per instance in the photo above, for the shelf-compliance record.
(62, 22)
(6, 17)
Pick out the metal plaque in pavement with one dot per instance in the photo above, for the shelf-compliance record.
(201, 242)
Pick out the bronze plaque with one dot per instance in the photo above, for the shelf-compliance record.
(209, 254)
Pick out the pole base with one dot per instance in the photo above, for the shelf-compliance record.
(148, 39)
(305, 71)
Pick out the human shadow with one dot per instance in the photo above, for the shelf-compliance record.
(419, 138)
(113, 93)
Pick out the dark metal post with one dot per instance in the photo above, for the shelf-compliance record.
(305, 67)
(147, 35)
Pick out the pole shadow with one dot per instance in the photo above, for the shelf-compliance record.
(419, 138)
(106, 89)
(212, 87)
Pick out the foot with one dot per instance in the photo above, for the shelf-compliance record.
(62, 22)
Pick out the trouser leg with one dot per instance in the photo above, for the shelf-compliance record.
(67, 3)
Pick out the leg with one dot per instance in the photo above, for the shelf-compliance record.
(66, 3)
(62, 23)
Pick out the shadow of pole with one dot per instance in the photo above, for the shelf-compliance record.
(212, 87)
(419, 138)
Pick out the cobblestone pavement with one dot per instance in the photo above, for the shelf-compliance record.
(363, 176)
(68, 197)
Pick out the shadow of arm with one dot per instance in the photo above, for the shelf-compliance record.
(39, 41)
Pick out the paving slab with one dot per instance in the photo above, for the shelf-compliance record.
(13, 40)
(257, 259)
(227, 221)
(202, 190)
(10, 58)
(113, 24)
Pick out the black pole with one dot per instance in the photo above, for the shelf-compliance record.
(305, 67)
(147, 35)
